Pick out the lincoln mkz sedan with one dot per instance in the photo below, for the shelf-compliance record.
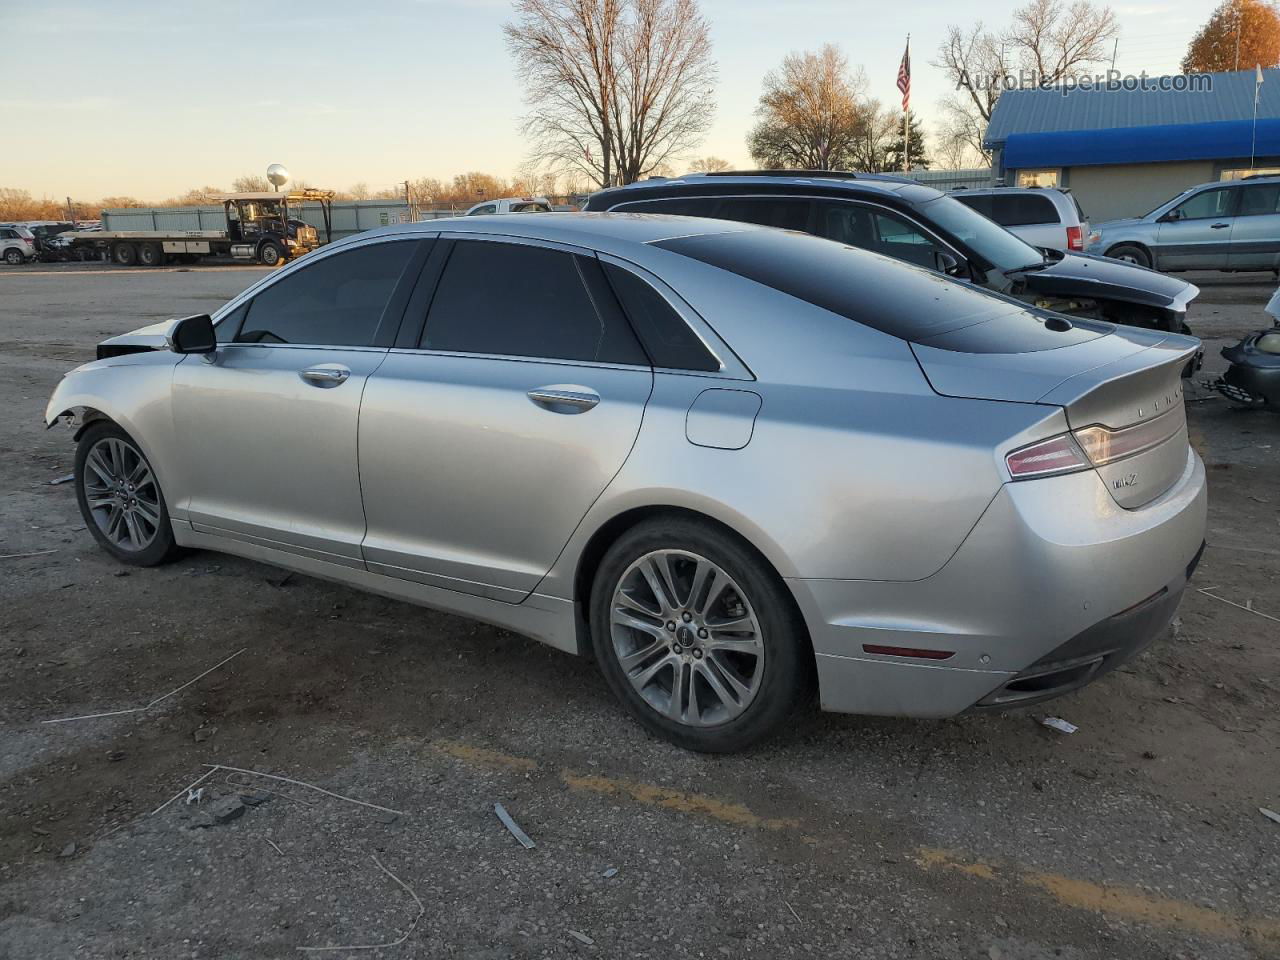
(731, 462)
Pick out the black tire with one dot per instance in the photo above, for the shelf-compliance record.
(14, 257)
(787, 680)
(125, 254)
(161, 548)
(150, 255)
(1131, 253)
(270, 254)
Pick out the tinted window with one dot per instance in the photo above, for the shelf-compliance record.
(979, 202)
(523, 301)
(1210, 203)
(8, 234)
(1259, 200)
(909, 303)
(876, 230)
(988, 240)
(766, 211)
(337, 301)
(487, 208)
(675, 207)
(1020, 209)
(666, 337)
(229, 325)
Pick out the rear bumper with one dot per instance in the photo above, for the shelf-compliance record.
(1054, 586)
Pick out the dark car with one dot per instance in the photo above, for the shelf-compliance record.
(906, 220)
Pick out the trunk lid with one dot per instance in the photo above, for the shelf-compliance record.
(1123, 380)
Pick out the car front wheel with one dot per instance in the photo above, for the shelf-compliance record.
(120, 498)
(697, 636)
(1130, 253)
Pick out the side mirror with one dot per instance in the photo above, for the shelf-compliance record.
(948, 264)
(193, 335)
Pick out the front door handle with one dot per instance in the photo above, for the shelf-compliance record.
(1219, 226)
(325, 375)
(565, 399)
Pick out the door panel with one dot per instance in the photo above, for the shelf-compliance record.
(267, 424)
(1201, 239)
(268, 455)
(471, 484)
(1255, 238)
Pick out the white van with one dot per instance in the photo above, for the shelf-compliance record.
(1042, 216)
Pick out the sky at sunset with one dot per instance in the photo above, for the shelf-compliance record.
(142, 98)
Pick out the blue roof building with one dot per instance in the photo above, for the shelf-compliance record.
(1124, 151)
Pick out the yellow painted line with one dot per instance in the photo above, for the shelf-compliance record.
(1119, 902)
(697, 803)
(1151, 909)
(484, 757)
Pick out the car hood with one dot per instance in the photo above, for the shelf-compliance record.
(1112, 224)
(1082, 275)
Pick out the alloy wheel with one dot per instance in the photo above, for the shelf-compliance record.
(122, 495)
(687, 638)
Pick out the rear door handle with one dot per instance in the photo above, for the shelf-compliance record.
(325, 374)
(1219, 226)
(565, 399)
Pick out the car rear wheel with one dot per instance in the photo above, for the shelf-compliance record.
(120, 498)
(13, 256)
(1130, 254)
(697, 636)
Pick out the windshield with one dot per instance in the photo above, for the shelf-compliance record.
(986, 238)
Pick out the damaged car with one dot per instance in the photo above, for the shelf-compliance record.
(732, 464)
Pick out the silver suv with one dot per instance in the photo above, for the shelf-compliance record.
(1212, 226)
(1046, 217)
(17, 244)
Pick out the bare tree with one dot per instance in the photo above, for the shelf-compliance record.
(1049, 39)
(615, 87)
(253, 183)
(880, 132)
(709, 165)
(811, 113)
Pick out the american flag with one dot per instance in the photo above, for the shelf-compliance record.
(904, 78)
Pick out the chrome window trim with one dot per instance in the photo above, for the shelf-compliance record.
(871, 204)
(569, 248)
(734, 369)
(323, 253)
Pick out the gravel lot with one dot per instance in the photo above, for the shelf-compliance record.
(981, 837)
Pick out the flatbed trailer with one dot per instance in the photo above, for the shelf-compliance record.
(259, 228)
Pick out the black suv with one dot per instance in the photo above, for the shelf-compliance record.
(906, 220)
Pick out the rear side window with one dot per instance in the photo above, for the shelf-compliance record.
(1022, 209)
(783, 212)
(980, 202)
(518, 300)
(1259, 200)
(913, 304)
(337, 301)
(665, 335)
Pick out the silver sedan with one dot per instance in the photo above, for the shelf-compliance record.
(733, 463)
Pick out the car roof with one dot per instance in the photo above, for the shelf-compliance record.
(829, 182)
(593, 230)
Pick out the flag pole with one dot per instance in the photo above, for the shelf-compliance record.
(906, 120)
(1257, 89)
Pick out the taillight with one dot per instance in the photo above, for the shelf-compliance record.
(1103, 445)
(1075, 238)
(1058, 454)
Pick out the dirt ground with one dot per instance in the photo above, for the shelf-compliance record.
(982, 837)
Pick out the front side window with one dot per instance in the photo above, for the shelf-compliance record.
(518, 300)
(1203, 206)
(337, 301)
